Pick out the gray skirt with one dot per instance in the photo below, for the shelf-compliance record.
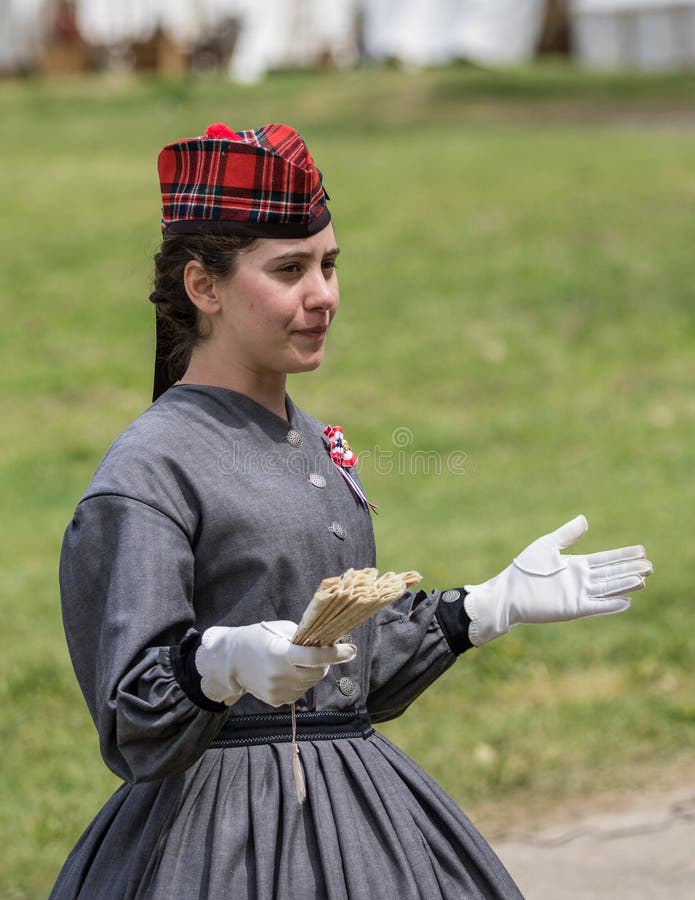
(374, 825)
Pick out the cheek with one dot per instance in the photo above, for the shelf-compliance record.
(263, 312)
(270, 321)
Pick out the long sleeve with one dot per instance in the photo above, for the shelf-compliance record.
(126, 577)
(417, 639)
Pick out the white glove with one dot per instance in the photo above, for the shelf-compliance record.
(261, 660)
(542, 585)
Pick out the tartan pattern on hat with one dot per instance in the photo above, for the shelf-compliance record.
(261, 181)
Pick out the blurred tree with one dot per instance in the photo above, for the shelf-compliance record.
(555, 36)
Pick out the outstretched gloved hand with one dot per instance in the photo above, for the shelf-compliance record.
(261, 660)
(543, 585)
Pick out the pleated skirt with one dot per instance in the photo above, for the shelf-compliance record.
(374, 825)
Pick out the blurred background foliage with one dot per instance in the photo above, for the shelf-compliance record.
(514, 346)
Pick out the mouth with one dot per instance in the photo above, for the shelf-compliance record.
(316, 334)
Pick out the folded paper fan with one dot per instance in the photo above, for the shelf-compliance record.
(341, 603)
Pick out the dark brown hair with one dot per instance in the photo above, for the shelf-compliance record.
(179, 320)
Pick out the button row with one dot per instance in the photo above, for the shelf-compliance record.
(295, 439)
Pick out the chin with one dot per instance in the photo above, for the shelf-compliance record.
(306, 365)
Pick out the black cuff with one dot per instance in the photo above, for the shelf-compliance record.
(454, 620)
(183, 663)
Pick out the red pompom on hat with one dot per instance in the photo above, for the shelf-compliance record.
(262, 183)
(220, 130)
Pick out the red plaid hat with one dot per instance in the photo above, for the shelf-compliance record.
(262, 183)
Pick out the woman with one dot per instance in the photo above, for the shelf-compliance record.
(202, 537)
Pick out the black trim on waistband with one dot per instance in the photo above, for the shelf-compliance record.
(312, 725)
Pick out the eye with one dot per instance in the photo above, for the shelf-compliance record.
(330, 264)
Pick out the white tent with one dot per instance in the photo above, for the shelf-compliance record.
(277, 33)
(273, 33)
(109, 22)
(22, 25)
(429, 32)
(416, 32)
(653, 35)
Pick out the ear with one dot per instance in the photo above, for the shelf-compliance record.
(201, 287)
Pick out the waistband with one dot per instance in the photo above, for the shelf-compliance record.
(312, 725)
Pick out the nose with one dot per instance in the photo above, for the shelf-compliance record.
(322, 290)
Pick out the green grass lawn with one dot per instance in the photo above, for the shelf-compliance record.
(515, 345)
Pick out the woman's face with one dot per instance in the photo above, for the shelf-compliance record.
(278, 305)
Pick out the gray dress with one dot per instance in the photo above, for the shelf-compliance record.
(202, 513)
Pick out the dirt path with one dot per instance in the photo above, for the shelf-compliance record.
(643, 850)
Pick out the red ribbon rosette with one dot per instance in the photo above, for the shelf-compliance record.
(344, 459)
(340, 450)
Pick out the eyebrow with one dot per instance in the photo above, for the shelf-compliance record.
(305, 254)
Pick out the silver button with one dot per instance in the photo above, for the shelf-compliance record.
(294, 438)
(317, 479)
(451, 596)
(339, 531)
(346, 686)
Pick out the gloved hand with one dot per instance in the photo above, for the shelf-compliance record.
(259, 659)
(542, 585)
